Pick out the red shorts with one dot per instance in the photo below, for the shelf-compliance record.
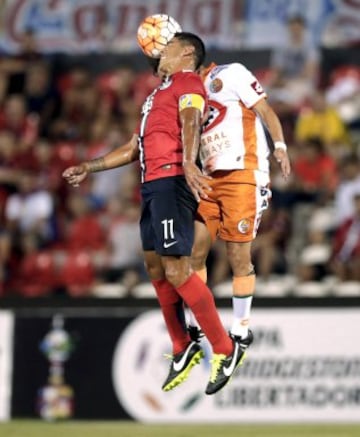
(235, 205)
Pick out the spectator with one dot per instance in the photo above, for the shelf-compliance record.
(343, 93)
(269, 247)
(294, 74)
(346, 250)
(5, 253)
(9, 162)
(79, 105)
(41, 97)
(320, 120)
(83, 229)
(117, 87)
(295, 65)
(103, 139)
(23, 126)
(13, 68)
(35, 274)
(46, 166)
(314, 257)
(315, 173)
(348, 186)
(125, 263)
(30, 209)
(77, 274)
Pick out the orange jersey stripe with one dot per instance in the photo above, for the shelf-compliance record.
(249, 137)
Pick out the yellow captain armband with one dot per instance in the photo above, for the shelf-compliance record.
(192, 101)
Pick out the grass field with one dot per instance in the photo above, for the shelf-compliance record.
(27, 428)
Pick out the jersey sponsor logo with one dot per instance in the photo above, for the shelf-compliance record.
(257, 87)
(167, 245)
(244, 226)
(213, 145)
(217, 112)
(216, 86)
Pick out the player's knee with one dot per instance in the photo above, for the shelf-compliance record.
(175, 278)
(240, 259)
(241, 266)
(177, 274)
(243, 269)
(154, 270)
(198, 259)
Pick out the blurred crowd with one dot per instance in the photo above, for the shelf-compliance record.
(58, 240)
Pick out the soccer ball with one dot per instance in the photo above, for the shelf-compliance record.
(155, 32)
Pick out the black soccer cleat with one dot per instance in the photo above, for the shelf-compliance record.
(181, 365)
(223, 367)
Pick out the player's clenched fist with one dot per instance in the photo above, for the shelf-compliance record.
(75, 175)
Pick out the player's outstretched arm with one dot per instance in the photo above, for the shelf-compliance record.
(119, 157)
(272, 122)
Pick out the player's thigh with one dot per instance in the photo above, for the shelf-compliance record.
(242, 206)
(208, 212)
(153, 265)
(202, 245)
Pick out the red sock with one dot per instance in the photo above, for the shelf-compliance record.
(200, 300)
(172, 308)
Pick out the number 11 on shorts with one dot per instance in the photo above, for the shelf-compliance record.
(168, 229)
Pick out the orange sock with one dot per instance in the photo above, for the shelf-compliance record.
(244, 285)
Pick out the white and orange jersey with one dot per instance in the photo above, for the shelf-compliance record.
(233, 136)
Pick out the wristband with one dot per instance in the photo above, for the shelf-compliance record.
(280, 145)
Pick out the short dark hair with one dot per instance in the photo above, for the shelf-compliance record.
(193, 40)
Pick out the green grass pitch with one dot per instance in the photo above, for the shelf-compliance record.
(34, 428)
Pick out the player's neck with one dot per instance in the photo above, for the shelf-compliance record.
(182, 66)
(187, 65)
